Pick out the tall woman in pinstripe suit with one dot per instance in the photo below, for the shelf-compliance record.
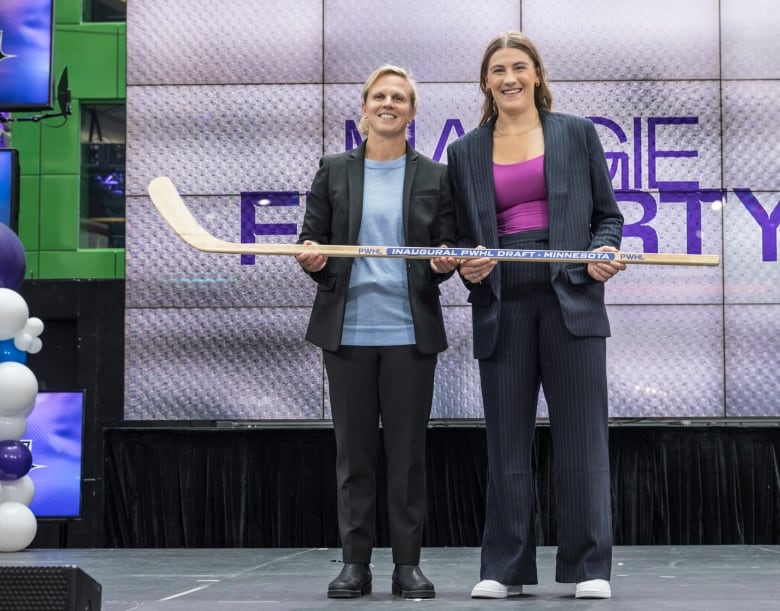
(533, 179)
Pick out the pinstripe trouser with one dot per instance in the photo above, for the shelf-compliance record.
(534, 347)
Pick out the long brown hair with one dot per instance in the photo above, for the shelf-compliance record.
(513, 40)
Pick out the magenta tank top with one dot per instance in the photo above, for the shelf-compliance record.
(521, 196)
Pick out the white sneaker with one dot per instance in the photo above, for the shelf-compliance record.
(595, 588)
(488, 588)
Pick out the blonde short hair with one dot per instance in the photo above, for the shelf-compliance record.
(374, 77)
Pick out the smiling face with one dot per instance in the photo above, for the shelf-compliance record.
(389, 106)
(511, 77)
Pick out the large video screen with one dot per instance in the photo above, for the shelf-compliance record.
(54, 437)
(26, 28)
(9, 187)
(684, 96)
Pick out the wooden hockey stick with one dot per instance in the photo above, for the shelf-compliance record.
(168, 202)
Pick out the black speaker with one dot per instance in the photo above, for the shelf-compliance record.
(48, 588)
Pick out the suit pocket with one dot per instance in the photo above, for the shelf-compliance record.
(577, 274)
(481, 295)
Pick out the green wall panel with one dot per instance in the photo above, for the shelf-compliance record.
(68, 11)
(78, 264)
(29, 212)
(26, 138)
(59, 226)
(119, 271)
(60, 139)
(91, 54)
(121, 91)
(33, 266)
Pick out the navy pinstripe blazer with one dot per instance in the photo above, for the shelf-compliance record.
(583, 215)
(334, 210)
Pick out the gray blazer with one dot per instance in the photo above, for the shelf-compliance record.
(333, 213)
(583, 215)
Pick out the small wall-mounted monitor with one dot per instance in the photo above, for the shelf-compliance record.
(9, 188)
(54, 437)
(26, 81)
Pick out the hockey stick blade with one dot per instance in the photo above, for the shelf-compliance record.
(172, 208)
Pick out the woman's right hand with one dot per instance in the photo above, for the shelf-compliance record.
(311, 261)
(476, 270)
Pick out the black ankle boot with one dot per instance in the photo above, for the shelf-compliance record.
(353, 581)
(409, 582)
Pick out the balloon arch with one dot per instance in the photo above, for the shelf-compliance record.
(19, 335)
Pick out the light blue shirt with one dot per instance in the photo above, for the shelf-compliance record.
(378, 311)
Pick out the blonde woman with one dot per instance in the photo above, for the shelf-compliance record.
(379, 324)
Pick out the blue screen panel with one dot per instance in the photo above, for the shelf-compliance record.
(9, 187)
(26, 55)
(54, 436)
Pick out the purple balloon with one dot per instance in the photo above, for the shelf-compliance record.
(13, 261)
(15, 460)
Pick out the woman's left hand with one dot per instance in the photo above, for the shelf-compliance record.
(605, 270)
(444, 265)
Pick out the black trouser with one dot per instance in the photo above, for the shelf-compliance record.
(396, 384)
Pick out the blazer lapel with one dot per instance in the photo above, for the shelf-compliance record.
(409, 172)
(556, 147)
(484, 187)
(355, 172)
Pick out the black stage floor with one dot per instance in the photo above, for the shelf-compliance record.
(715, 578)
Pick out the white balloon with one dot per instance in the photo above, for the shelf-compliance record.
(36, 346)
(17, 526)
(18, 388)
(27, 409)
(23, 341)
(13, 313)
(34, 326)
(13, 427)
(20, 490)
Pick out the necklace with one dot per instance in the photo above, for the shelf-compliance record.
(523, 133)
